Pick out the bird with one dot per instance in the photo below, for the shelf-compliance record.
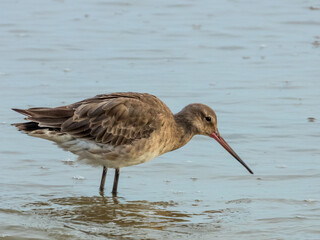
(121, 129)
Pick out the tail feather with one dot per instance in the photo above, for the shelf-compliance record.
(45, 117)
(42, 112)
(22, 111)
(27, 127)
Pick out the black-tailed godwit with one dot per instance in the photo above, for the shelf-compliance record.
(121, 129)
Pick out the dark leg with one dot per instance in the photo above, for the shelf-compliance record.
(103, 179)
(115, 182)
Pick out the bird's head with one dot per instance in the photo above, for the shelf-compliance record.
(202, 120)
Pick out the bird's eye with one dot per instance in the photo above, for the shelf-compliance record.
(208, 119)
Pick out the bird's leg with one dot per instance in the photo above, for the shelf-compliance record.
(115, 182)
(103, 179)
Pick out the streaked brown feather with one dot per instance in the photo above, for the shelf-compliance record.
(107, 137)
(99, 135)
(115, 118)
(95, 130)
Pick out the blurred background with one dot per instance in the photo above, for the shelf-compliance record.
(256, 63)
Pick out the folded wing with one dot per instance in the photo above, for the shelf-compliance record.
(114, 119)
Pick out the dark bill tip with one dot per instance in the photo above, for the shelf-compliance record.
(216, 135)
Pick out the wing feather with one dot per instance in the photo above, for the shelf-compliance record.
(116, 119)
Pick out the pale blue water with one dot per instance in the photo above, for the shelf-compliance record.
(255, 62)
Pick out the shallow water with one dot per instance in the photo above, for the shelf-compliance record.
(256, 63)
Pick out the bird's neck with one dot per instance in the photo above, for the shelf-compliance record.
(183, 131)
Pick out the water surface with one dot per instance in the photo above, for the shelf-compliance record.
(256, 63)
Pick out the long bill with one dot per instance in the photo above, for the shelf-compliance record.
(216, 135)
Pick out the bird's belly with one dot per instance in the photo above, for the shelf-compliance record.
(98, 154)
(107, 155)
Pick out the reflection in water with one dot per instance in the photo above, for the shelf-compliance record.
(114, 217)
(111, 210)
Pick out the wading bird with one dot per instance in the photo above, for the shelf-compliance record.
(121, 129)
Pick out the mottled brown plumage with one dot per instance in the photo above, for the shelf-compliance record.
(121, 129)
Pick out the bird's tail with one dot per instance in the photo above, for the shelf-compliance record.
(40, 118)
(27, 126)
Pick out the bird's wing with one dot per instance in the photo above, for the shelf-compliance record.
(117, 118)
(114, 120)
